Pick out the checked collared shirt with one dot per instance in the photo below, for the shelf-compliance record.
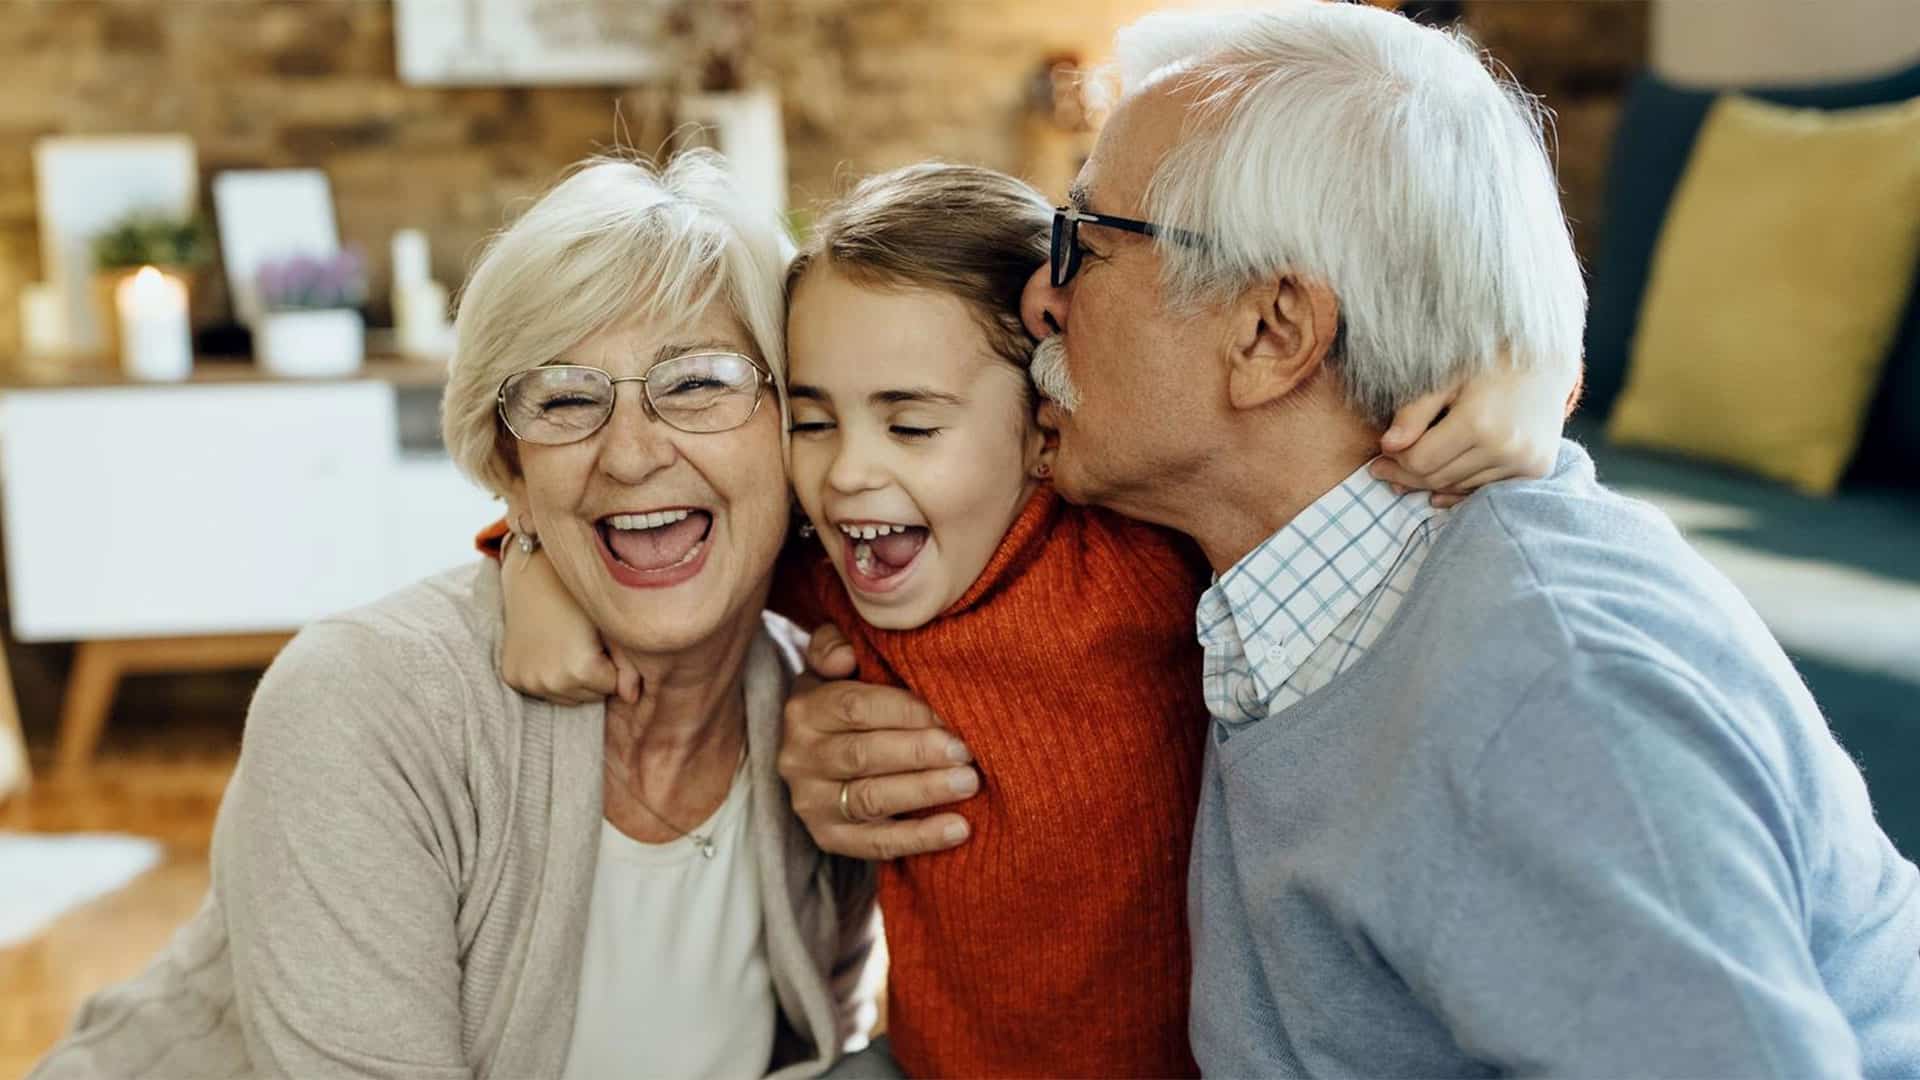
(1306, 604)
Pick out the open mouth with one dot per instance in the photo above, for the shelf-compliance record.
(657, 542)
(880, 553)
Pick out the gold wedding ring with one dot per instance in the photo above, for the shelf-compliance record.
(846, 802)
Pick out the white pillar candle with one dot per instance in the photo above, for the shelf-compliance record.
(43, 320)
(155, 340)
(420, 320)
(752, 138)
(412, 262)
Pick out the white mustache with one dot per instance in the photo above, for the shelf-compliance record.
(1049, 370)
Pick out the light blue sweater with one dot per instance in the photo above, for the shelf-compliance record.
(1573, 814)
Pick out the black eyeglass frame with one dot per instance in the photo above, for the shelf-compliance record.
(763, 378)
(1064, 252)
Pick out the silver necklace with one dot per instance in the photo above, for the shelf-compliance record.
(702, 842)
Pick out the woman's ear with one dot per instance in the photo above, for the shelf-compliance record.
(799, 524)
(519, 513)
(1042, 444)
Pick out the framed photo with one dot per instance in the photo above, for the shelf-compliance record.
(530, 42)
(87, 184)
(270, 214)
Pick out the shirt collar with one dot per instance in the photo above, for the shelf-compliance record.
(1283, 599)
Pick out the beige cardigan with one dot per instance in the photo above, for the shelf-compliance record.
(402, 867)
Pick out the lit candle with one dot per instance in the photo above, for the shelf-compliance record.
(155, 342)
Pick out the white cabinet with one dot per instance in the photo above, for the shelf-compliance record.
(217, 508)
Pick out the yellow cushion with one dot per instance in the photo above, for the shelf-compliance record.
(1785, 262)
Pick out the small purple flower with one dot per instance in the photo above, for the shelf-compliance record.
(302, 282)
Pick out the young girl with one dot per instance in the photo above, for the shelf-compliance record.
(1056, 641)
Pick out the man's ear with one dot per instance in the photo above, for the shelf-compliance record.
(1284, 329)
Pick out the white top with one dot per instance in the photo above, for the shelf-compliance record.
(674, 982)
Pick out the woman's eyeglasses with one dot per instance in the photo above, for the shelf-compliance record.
(699, 393)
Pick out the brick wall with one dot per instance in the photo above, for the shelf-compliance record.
(867, 83)
(1577, 55)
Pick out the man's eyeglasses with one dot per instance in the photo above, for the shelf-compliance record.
(699, 393)
(1066, 250)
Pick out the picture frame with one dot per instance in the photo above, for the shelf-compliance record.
(85, 184)
(270, 214)
(531, 42)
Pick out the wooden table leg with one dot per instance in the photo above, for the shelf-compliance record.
(88, 700)
(99, 665)
(15, 774)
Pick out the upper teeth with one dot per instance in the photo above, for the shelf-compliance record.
(871, 532)
(648, 521)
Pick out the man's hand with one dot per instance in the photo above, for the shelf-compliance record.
(885, 747)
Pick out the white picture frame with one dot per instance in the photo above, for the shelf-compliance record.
(88, 183)
(530, 42)
(270, 214)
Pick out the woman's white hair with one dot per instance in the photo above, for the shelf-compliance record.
(1351, 146)
(617, 240)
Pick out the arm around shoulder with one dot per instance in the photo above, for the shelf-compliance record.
(1621, 892)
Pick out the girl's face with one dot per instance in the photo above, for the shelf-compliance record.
(913, 444)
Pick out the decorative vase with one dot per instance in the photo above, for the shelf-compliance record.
(311, 344)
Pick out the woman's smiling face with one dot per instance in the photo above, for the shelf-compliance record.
(913, 443)
(665, 538)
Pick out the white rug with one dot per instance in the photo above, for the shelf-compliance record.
(43, 875)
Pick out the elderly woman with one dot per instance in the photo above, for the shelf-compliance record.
(417, 871)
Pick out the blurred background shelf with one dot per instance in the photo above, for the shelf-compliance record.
(195, 525)
(391, 369)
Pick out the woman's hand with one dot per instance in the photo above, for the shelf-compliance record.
(552, 651)
(884, 747)
(1502, 424)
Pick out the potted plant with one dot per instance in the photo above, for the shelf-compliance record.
(310, 324)
(179, 247)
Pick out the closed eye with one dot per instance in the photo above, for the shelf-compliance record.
(810, 427)
(905, 432)
(694, 384)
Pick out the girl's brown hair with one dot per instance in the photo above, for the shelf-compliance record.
(969, 232)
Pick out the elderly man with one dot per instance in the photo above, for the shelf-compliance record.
(1522, 786)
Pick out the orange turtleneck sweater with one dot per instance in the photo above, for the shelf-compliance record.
(1054, 941)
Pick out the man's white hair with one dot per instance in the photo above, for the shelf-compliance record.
(1351, 146)
(617, 240)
